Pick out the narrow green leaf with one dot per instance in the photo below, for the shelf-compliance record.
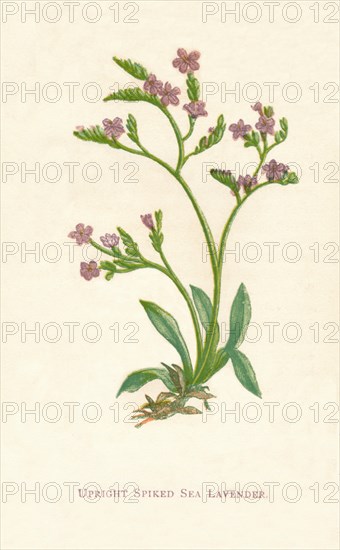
(245, 372)
(168, 327)
(240, 316)
(139, 378)
(134, 69)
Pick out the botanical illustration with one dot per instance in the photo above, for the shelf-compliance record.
(186, 382)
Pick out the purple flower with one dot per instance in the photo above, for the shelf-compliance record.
(275, 171)
(240, 129)
(80, 128)
(211, 129)
(169, 95)
(82, 234)
(247, 182)
(152, 85)
(186, 62)
(265, 125)
(196, 109)
(110, 240)
(113, 128)
(258, 107)
(148, 221)
(90, 270)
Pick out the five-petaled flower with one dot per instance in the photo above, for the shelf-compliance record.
(169, 94)
(265, 125)
(186, 62)
(82, 234)
(239, 129)
(152, 85)
(89, 270)
(113, 128)
(110, 240)
(148, 221)
(275, 171)
(196, 109)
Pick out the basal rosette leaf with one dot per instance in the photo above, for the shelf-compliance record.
(139, 378)
(245, 372)
(168, 327)
(134, 69)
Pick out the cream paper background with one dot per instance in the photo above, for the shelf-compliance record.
(182, 452)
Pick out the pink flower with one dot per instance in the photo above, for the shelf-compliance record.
(247, 181)
(186, 62)
(110, 240)
(82, 234)
(90, 270)
(113, 128)
(169, 95)
(152, 85)
(80, 128)
(148, 221)
(239, 129)
(275, 171)
(258, 107)
(196, 109)
(265, 125)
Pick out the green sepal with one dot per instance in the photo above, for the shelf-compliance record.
(134, 69)
(193, 87)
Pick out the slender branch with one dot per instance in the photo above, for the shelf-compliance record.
(192, 122)
(188, 300)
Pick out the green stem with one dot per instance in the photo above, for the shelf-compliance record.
(188, 300)
(192, 122)
(212, 344)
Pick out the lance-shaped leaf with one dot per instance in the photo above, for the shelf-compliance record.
(110, 267)
(193, 89)
(214, 137)
(134, 69)
(245, 372)
(134, 94)
(240, 316)
(168, 327)
(139, 378)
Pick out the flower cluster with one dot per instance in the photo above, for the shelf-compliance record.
(186, 63)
